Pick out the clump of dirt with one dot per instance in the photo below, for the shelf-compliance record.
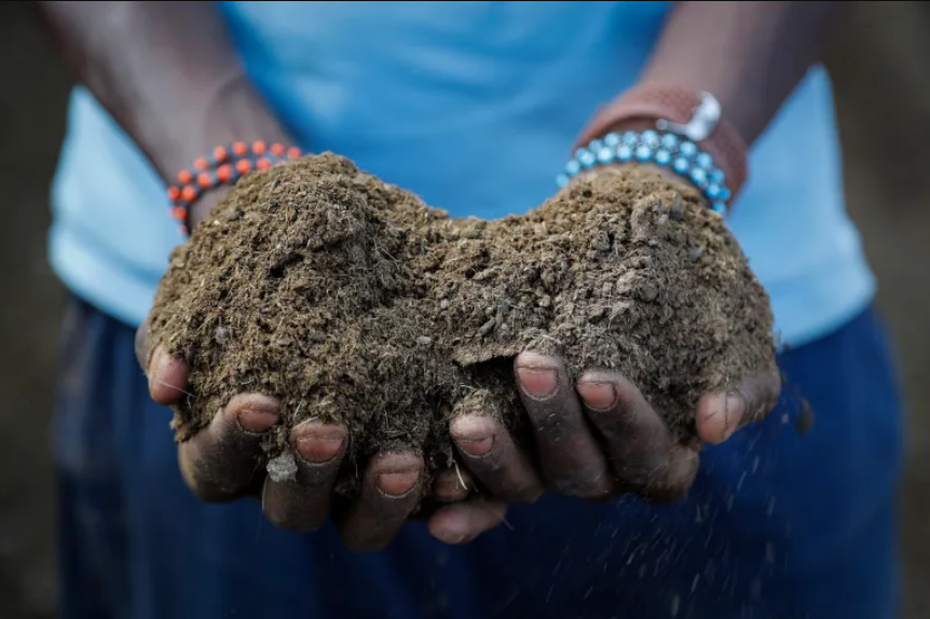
(352, 301)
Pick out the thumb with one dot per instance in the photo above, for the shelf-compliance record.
(167, 375)
(721, 414)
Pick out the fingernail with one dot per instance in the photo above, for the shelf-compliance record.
(319, 444)
(396, 485)
(256, 420)
(538, 382)
(599, 396)
(734, 408)
(477, 447)
(473, 434)
(156, 366)
(153, 360)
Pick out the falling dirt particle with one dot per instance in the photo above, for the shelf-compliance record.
(806, 419)
(334, 298)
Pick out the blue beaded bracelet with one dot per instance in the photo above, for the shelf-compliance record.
(667, 150)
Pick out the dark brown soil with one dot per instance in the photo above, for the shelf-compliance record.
(350, 300)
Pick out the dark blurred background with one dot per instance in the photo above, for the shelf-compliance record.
(883, 98)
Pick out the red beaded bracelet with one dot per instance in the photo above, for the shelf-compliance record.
(224, 167)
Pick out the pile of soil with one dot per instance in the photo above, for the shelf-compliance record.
(352, 301)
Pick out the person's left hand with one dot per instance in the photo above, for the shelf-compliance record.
(594, 439)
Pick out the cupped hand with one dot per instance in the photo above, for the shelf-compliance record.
(598, 437)
(225, 462)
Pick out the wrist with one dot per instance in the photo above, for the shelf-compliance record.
(673, 155)
(196, 188)
(202, 185)
(673, 127)
(229, 112)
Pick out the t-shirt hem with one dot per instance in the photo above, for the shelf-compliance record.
(96, 281)
(823, 304)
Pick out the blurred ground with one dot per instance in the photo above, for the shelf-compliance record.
(878, 65)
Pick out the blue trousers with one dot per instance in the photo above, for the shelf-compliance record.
(786, 520)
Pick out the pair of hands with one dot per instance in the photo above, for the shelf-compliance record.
(594, 439)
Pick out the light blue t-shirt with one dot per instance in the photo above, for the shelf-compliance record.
(473, 106)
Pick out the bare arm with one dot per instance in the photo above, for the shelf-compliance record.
(749, 55)
(167, 73)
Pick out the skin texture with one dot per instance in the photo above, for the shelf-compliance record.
(179, 91)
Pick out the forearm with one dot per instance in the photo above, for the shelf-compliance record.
(166, 72)
(749, 55)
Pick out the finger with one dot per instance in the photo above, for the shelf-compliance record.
(390, 492)
(452, 484)
(487, 449)
(570, 458)
(301, 501)
(642, 451)
(167, 378)
(719, 415)
(222, 461)
(463, 522)
(143, 346)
